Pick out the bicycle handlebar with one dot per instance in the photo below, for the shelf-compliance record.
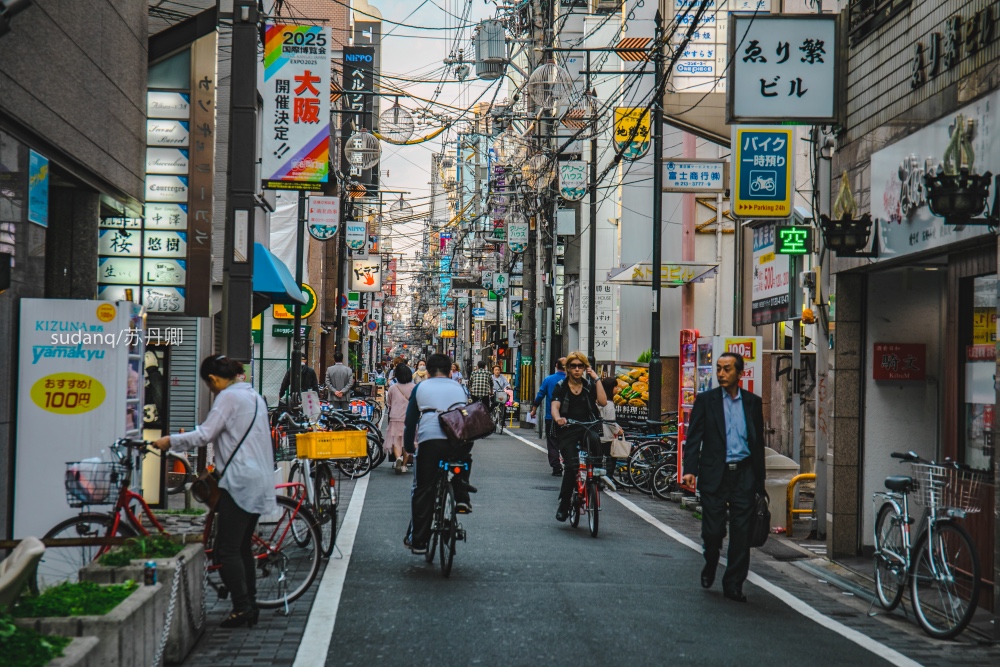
(913, 457)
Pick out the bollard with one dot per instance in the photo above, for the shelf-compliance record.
(790, 496)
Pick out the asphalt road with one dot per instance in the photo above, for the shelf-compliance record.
(527, 590)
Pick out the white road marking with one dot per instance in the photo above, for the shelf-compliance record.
(528, 442)
(881, 650)
(316, 639)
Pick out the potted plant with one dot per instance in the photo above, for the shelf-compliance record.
(24, 647)
(126, 619)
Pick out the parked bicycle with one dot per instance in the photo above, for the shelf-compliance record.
(446, 529)
(286, 546)
(941, 564)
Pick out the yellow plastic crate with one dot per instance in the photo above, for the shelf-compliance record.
(331, 444)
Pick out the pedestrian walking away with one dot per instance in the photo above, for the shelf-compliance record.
(578, 397)
(545, 394)
(724, 455)
(432, 397)
(237, 424)
(397, 399)
(340, 379)
(480, 384)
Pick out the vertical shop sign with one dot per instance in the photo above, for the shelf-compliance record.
(359, 104)
(201, 199)
(573, 180)
(296, 146)
(626, 120)
(604, 320)
(38, 189)
(323, 217)
(769, 298)
(366, 274)
(762, 172)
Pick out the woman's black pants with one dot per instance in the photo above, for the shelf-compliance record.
(234, 552)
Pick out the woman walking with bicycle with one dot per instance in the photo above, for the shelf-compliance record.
(237, 424)
(577, 397)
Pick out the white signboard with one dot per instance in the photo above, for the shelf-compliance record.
(79, 389)
(897, 181)
(324, 217)
(695, 176)
(167, 188)
(164, 244)
(164, 271)
(296, 115)
(366, 274)
(119, 271)
(167, 161)
(487, 279)
(167, 133)
(119, 242)
(166, 104)
(604, 320)
(770, 279)
(356, 234)
(163, 299)
(517, 236)
(166, 216)
(783, 68)
(500, 281)
(573, 180)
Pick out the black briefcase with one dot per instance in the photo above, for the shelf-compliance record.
(760, 520)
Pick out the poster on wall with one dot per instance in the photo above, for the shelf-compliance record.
(898, 195)
(770, 288)
(296, 92)
(631, 396)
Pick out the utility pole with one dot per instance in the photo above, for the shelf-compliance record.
(592, 249)
(295, 374)
(530, 320)
(655, 372)
(237, 259)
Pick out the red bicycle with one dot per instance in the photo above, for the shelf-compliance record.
(586, 498)
(286, 544)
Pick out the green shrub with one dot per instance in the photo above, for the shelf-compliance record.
(147, 546)
(23, 647)
(645, 357)
(80, 599)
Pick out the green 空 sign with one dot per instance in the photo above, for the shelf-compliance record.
(792, 240)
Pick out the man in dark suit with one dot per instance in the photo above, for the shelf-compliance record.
(725, 452)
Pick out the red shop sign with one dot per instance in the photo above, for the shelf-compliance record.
(899, 361)
(981, 352)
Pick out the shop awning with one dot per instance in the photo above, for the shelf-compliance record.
(672, 274)
(272, 279)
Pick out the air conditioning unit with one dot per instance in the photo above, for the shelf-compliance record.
(607, 6)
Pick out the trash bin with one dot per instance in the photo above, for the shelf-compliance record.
(780, 471)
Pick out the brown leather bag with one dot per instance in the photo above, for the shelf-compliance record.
(205, 489)
(466, 422)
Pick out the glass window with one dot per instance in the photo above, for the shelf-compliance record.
(174, 73)
(980, 370)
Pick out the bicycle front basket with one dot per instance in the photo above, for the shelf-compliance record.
(93, 482)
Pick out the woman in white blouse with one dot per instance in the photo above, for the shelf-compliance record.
(237, 425)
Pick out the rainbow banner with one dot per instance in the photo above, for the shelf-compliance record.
(296, 116)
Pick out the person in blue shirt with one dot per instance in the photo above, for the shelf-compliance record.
(545, 394)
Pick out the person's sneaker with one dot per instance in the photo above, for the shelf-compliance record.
(405, 469)
(471, 488)
(398, 466)
(463, 508)
(608, 484)
(418, 551)
(562, 514)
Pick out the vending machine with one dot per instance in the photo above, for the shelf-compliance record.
(80, 387)
(697, 375)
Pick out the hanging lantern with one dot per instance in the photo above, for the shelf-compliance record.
(396, 123)
(506, 146)
(363, 149)
(400, 210)
(550, 85)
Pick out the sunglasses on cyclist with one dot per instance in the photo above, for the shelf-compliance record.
(576, 366)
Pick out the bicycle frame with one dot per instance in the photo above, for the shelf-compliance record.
(123, 506)
(927, 522)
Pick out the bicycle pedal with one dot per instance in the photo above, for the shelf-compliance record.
(460, 534)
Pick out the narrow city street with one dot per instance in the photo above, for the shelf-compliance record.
(527, 590)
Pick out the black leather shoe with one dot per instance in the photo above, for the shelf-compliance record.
(708, 575)
(471, 488)
(238, 619)
(562, 514)
(735, 596)
(557, 472)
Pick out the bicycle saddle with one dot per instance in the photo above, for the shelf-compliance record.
(899, 483)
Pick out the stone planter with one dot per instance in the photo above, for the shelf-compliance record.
(190, 599)
(128, 635)
(79, 653)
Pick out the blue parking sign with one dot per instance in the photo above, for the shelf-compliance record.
(763, 172)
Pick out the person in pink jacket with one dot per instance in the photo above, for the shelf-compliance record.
(396, 400)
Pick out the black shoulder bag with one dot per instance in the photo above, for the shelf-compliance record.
(205, 489)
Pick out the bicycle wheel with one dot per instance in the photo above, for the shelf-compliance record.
(326, 508)
(620, 474)
(574, 509)
(593, 507)
(944, 586)
(286, 567)
(664, 480)
(296, 475)
(449, 532)
(890, 563)
(60, 564)
(178, 472)
(642, 463)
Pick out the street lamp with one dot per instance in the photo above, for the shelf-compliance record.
(550, 85)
